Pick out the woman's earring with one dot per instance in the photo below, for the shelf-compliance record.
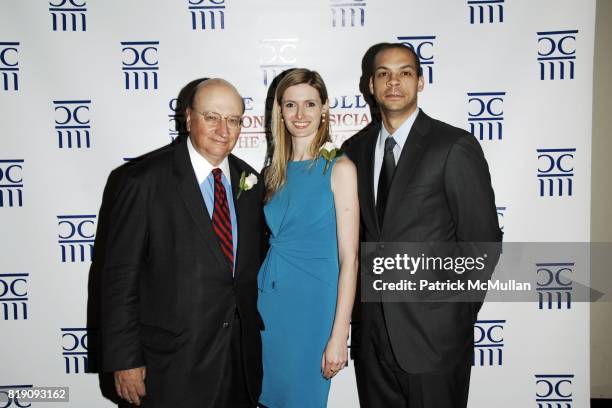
(323, 118)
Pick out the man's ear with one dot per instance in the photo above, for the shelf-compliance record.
(420, 84)
(371, 84)
(188, 119)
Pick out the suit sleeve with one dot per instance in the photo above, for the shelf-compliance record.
(472, 203)
(124, 262)
(469, 192)
(347, 148)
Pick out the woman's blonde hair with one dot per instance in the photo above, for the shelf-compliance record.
(276, 172)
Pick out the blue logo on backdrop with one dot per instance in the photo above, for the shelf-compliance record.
(140, 64)
(556, 54)
(501, 212)
(422, 46)
(14, 296)
(488, 343)
(210, 14)
(174, 118)
(248, 103)
(277, 55)
(486, 11)
(348, 102)
(74, 350)
(253, 131)
(9, 65)
(68, 15)
(486, 114)
(553, 286)
(554, 390)
(347, 13)
(11, 183)
(556, 175)
(72, 123)
(76, 237)
(348, 114)
(14, 401)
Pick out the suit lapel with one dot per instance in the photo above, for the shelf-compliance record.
(235, 172)
(367, 181)
(407, 164)
(190, 193)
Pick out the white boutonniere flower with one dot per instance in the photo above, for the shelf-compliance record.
(329, 151)
(246, 182)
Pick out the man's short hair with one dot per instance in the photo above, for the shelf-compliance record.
(390, 46)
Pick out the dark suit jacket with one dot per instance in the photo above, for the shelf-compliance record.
(168, 295)
(441, 192)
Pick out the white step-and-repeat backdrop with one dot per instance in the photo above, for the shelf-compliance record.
(88, 84)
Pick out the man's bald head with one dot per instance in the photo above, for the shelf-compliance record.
(214, 85)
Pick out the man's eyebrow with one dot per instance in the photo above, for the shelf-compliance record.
(402, 67)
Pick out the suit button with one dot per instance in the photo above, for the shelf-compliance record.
(381, 246)
(226, 325)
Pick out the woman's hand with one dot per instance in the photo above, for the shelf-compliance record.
(335, 356)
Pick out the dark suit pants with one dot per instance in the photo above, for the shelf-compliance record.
(236, 393)
(381, 382)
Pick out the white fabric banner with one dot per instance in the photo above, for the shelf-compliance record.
(85, 85)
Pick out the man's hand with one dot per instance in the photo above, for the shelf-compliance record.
(130, 384)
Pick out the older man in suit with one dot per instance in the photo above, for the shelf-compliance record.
(419, 180)
(180, 326)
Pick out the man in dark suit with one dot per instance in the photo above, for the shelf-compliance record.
(420, 180)
(180, 326)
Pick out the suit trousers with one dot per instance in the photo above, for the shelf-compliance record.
(382, 383)
(236, 393)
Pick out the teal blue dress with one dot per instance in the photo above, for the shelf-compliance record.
(298, 284)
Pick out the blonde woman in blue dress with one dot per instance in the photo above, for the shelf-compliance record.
(308, 280)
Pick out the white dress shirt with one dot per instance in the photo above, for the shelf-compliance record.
(400, 136)
(203, 168)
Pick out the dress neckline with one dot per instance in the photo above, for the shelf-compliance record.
(300, 161)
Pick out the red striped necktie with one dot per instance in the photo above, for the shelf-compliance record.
(221, 221)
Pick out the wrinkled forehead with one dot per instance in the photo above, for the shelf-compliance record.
(222, 97)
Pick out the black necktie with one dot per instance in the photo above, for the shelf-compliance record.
(384, 181)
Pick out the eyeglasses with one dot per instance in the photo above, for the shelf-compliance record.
(213, 119)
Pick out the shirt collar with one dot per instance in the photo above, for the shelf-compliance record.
(401, 134)
(202, 167)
